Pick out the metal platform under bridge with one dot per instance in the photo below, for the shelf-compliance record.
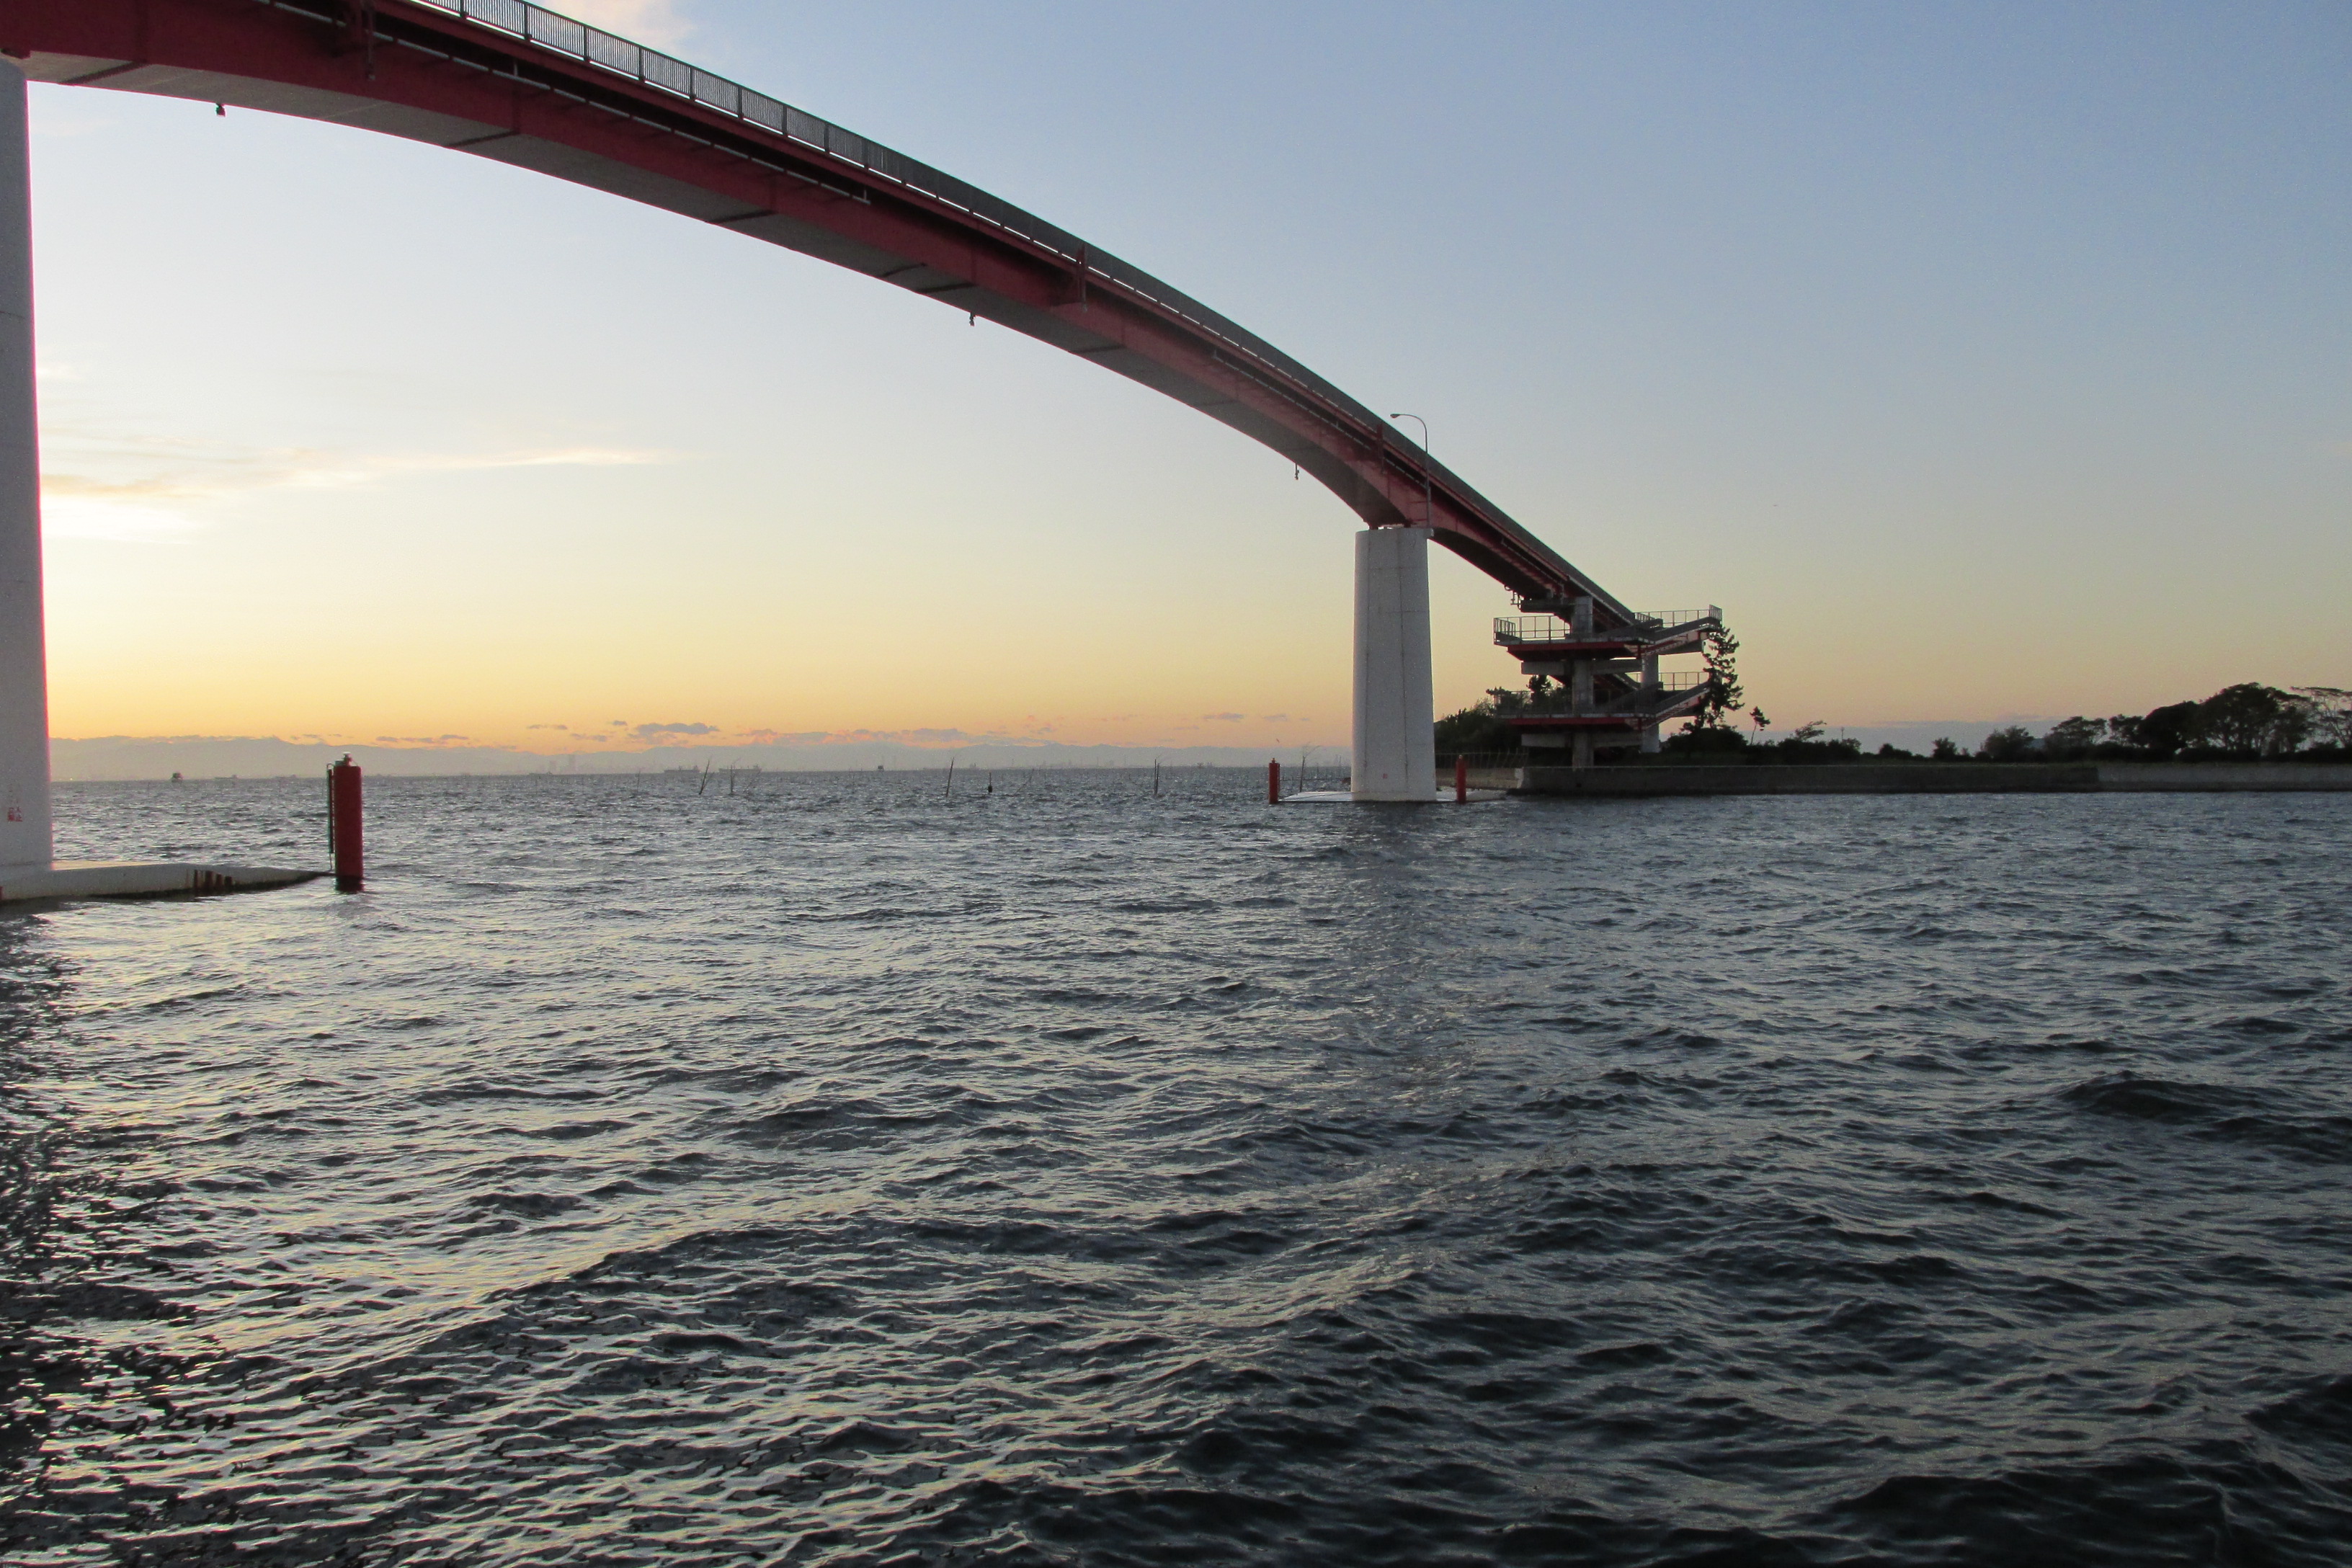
(1608, 687)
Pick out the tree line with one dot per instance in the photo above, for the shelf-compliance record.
(2245, 723)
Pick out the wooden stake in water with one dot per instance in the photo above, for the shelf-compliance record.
(345, 839)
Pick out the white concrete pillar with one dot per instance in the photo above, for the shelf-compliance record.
(24, 657)
(1649, 694)
(1395, 752)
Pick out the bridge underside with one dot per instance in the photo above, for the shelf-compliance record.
(505, 81)
(414, 71)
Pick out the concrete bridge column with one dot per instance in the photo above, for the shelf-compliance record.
(1579, 682)
(1395, 751)
(23, 657)
(1649, 694)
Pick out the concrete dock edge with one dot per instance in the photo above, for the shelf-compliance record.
(138, 880)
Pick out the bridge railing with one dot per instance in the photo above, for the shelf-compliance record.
(577, 40)
(1668, 619)
(1510, 629)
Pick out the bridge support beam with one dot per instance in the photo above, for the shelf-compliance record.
(1395, 752)
(24, 656)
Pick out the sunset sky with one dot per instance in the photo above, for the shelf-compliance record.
(1979, 359)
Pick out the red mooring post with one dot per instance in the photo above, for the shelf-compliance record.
(1461, 780)
(343, 834)
(1274, 784)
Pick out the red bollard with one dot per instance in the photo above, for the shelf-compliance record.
(343, 834)
(1274, 784)
(1461, 780)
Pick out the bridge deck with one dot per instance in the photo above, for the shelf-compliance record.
(503, 79)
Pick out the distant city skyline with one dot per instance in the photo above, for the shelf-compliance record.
(1977, 360)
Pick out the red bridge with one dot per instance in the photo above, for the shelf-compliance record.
(506, 80)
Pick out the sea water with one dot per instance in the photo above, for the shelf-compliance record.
(863, 1168)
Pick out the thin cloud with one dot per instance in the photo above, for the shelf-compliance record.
(920, 737)
(76, 517)
(662, 733)
(1224, 718)
(217, 476)
(142, 489)
(912, 737)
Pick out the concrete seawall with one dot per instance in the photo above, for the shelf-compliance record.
(1934, 778)
(2225, 775)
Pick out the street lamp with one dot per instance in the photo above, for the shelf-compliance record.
(1428, 490)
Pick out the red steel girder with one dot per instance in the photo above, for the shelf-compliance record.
(410, 70)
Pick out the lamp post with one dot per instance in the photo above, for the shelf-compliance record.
(1428, 490)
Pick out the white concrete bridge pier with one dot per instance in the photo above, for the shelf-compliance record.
(1395, 751)
(28, 868)
(23, 652)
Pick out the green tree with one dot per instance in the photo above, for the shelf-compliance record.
(2072, 738)
(2161, 732)
(1481, 727)
(1724, 692)
(2327, 714)
(2249, 717)
(2014, 744)
(1720, 741)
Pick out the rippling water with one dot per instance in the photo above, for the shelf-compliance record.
(846, 1173)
